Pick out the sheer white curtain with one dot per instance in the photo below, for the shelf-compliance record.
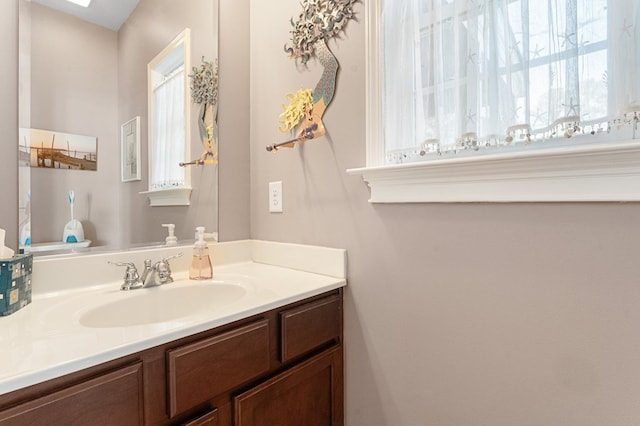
(402, 65)
(475, 75)
(169, 133)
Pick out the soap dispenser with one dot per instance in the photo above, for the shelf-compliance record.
(171, 239)
(201, 264)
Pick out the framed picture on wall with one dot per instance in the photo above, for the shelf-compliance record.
(130, 150)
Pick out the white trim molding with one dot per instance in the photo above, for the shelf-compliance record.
(169, 197)
(603, 172)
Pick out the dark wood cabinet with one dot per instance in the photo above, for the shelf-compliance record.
(308, 394)
(109, 399)
(282, 367)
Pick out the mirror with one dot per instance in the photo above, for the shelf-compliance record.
(88, 78)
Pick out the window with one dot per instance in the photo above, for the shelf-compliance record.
(503, 100)
(169, 183)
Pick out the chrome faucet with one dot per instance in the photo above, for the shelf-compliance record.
(148, 270)
(131, 276)
(159, 273)
(153, 275)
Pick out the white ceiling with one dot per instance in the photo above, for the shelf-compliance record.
(107, 13)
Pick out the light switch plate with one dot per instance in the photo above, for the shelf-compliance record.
(275, 197)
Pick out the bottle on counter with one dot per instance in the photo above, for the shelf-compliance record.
(201, 268)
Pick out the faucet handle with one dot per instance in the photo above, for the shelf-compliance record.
(164, 269)
(130, 264)
(175, 256)
(131, 270)
(131, 276)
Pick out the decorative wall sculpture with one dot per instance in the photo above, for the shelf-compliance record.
(319, 21)
(204, 92)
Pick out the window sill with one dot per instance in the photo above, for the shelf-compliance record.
(169, 197)
(603, 172)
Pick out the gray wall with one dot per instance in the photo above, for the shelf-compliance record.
(233, 118)
(469, 314)
(74, 89)
(9, 121)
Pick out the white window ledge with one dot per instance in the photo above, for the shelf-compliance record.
(169, 197)
(603, 172)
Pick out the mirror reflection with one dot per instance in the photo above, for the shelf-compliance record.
(168, 108)
(88, 78)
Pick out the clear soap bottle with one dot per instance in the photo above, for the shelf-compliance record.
(201, 263)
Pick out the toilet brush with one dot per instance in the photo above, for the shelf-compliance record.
(73, 232)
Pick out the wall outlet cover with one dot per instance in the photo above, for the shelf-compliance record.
(275, 197)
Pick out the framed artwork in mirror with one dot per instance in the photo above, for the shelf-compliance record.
(130, 150)
(57, 150)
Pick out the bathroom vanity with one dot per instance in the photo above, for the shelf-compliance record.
(270, 354)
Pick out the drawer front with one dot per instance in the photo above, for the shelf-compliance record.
(310, 326)
(202, 370)
(113, 398)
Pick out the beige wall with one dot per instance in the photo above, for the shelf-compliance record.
(469, 314)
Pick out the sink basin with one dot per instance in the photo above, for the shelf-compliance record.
(161, 304)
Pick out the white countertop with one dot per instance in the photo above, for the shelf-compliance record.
(46, 339)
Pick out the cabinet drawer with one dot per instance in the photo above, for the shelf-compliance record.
(113, 398)
(309, 326)
(202, 370)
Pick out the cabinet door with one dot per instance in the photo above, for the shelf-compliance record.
(308, 394)
(114, 398)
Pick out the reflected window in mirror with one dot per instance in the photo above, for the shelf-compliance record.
(169, 131)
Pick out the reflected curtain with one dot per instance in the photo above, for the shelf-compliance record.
(169, 133)
(493, 72)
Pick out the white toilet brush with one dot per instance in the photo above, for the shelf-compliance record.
(73, 232)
